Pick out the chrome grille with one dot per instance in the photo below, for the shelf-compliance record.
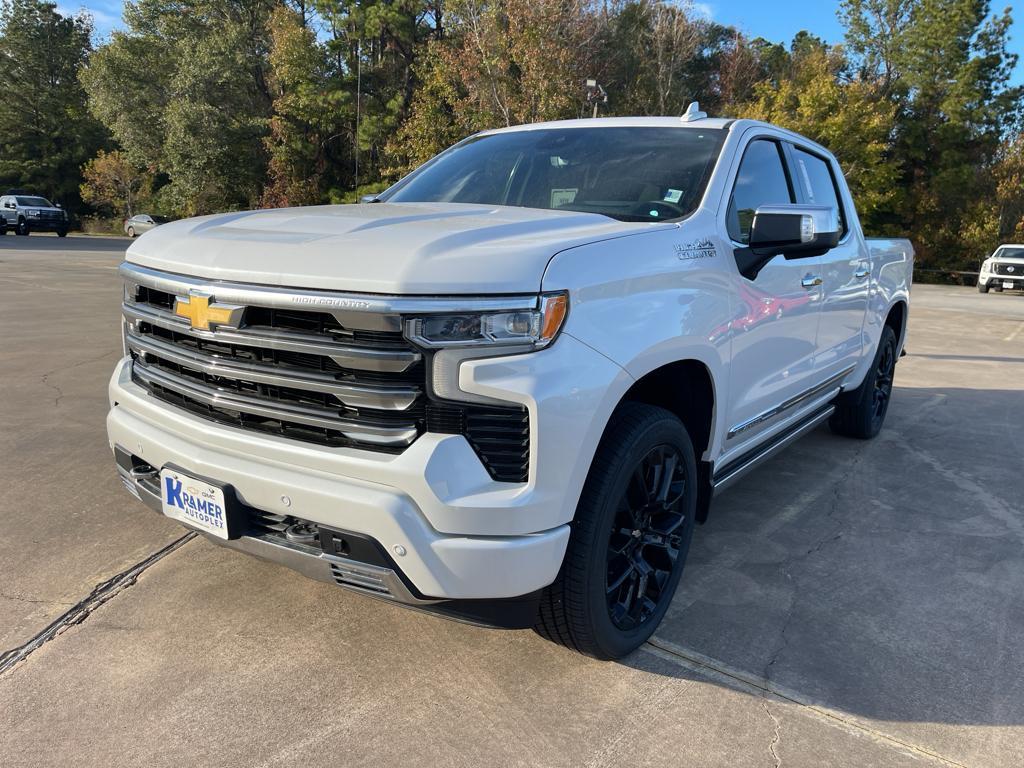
(1011, 270)
(283, 365)
(295, 373)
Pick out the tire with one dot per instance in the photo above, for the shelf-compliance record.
(584, 609)
(3, 228)
(62, 233)
(982, 287)
(131, 231)
(861, 412)
(21, 228)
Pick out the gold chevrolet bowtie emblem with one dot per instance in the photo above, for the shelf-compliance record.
(202, 314)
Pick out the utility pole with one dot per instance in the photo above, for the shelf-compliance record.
(595, 94)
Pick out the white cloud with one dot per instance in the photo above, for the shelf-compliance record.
(704, 10)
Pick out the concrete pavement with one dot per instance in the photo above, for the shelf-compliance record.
(850, 603)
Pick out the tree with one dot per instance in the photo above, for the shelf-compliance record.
(184, 89)
(111, 181)
(498, 63)
(810, 95)
(46, 132)
(945, 67)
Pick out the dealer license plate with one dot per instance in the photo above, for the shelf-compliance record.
(195, 502)
(1008, 285)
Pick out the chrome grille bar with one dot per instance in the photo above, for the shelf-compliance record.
(390, 398)
(324, 418)
(347, 356)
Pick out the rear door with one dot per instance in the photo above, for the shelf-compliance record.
(775, 326)
(845, 270)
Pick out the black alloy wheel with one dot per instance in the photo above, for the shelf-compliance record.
(646, 536)
(884, 373)
(861, 412)
(629, 538)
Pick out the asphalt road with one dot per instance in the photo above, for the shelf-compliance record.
(850, 603)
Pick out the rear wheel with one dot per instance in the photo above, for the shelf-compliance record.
(630, 537)
(861, 413)
(62, 233)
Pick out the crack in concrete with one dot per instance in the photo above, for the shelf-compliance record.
(80, 611)
(724, 674)
(776, 737)
(31, 600)
(45, 378)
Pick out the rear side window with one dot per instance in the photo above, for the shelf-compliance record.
(761, 181)
(817, 183)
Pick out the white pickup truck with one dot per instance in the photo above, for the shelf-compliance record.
(507, 388)
(1003, 270)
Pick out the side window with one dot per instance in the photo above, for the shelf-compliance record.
(817, 183)
(761, 181)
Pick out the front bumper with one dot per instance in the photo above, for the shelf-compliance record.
(464, 536)
(993, 280)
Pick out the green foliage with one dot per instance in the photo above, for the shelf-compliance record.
(809, 95)
(111, 183)
(224, 104)
(184, 91)
(46, 132)
(944, 67)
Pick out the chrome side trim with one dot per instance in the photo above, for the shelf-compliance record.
(736, 469)
(300, 414)
(360, 358)
(298, 298)
(358, 396)
(833, 381)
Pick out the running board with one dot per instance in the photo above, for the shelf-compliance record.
(734, 470)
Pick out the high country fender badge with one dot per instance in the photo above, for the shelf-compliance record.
(698, 249)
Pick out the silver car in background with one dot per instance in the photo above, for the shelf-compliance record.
(142, 222)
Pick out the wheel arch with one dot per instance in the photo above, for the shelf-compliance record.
(896, 319)
(686, 388)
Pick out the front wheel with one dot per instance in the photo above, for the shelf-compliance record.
(861, 412)
(131, 232)
(982, 287)
(62, 233)
(22, 228)
(630, 537)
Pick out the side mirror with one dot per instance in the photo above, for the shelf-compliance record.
(795, 231)
(369, 199)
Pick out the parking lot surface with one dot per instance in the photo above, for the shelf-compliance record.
(849, 603)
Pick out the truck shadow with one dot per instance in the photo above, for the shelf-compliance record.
(881, 578)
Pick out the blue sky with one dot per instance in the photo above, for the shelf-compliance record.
(777, 21)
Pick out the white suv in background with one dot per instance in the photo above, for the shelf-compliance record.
(1003, 270)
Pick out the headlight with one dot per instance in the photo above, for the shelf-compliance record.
(455, 338)
(34, 213)
(534, 328)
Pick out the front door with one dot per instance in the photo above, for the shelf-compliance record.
(775, 326)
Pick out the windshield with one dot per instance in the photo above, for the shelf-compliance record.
(630, 174)
(35, 202)
(1009, 253)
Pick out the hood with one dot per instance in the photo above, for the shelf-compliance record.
(391, 248)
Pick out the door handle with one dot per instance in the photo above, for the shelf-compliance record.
(811, 281)
(861, 273)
